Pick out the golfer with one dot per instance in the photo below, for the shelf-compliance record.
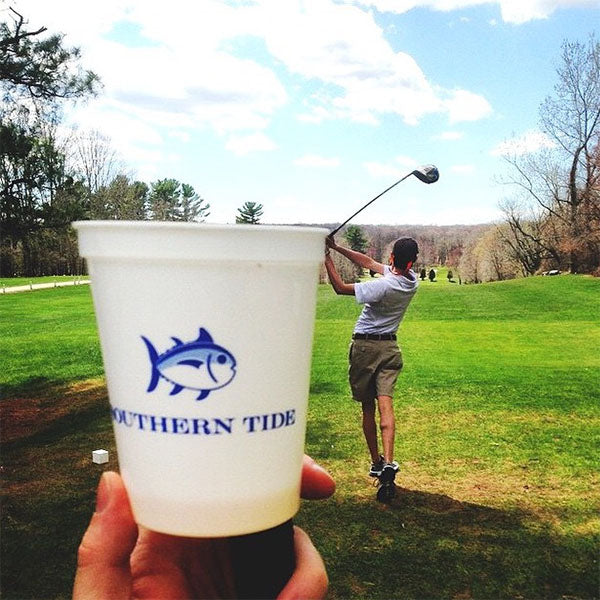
(375, 358)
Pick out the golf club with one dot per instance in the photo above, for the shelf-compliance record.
(426, 174)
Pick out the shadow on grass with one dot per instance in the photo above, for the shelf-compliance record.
(48, 484)
(54, 406)
(30, 388)
(324, 441)
(428, 545)
(423, 545)
(325, 387)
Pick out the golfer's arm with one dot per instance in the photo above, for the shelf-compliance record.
(360, 259)
(338, 285)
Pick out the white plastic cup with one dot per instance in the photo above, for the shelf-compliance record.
(206, 335)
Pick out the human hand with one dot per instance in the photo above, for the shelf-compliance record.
(118, 559)
(330, 242)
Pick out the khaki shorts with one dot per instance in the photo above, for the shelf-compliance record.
(374, 368)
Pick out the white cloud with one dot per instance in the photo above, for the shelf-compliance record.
(185, 68)
(245, 144)
(82, 21)
(466, 106)
(522, 12)
(362, 78)
(129, 135)
(513, 11)
(183, 72)
(314, 160)
(528, 143)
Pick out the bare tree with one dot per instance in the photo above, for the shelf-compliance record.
(345, 268)
(497, 263)
(530, 235)
(93, 157)
(121, 199)
(559, 181)
(470, 263)
(572, 119)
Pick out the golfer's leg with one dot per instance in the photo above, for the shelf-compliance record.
(387, 424)
(370, 428)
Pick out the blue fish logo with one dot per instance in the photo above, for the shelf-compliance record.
(199, 365)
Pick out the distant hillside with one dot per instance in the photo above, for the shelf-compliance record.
(438, 244)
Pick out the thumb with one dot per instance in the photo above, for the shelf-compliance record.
(103, 558)
(309, 579)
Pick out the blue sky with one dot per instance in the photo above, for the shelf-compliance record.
(314, 107)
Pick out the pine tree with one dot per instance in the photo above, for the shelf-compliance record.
(164, 200)
(192, 206)
(357, 241)
(250, 213)
(356, 238)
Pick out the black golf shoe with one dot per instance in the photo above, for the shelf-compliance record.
(386, 489)
(377, 467)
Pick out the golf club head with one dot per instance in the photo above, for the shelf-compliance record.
(427, 173)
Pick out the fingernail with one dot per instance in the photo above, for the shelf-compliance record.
(103, 493)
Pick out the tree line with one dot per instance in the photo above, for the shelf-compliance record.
(48, 181)
(551, 214)
(446, 245)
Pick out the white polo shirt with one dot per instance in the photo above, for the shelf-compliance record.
(385, 301)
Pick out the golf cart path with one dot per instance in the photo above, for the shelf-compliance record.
(40, 286)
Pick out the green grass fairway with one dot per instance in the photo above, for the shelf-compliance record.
(48, 337)
(498, 437)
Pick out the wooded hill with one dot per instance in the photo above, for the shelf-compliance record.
(438, 244)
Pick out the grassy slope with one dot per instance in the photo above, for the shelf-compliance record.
(497, 436)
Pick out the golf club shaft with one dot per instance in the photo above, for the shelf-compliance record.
(367, 204)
